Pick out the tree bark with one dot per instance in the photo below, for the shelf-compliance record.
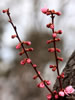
(69, 79)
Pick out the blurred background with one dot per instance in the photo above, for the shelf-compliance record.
(16, 81)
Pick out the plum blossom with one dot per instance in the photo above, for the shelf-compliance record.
(69, 90)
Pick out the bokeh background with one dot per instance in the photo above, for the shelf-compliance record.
(16, 81)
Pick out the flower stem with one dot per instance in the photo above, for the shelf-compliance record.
(54, 43)
(15, 29)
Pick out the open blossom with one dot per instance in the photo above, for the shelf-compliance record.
(61, 93)
(69, 90)
(44, 10)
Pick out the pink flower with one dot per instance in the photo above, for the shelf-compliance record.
(28, 60)
(41, 85)
(49, 96)
(44, 10)
(18, 46)
(69, 90)
(61, 93)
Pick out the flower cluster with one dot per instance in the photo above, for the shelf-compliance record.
(69, 89)
(24, 50)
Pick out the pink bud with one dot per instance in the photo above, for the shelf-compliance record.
(59, 31)
(22, 52)
(5, 11)
(56, 96)
(58, 39)
(61, 93)
(49, 41)
(58, 50)
(44, 10)
(51, 66)
(28, 49)
(59, 58)
(69, 90)
(48, 82)
(58, 13)
(13, 36)
(51, 49)
(41, 85)
(62, 75)
(54, 35)
(31, 49)
(58, 77)
(35, 76)
(27, 42)
(18, 46)
(23, 62)
(53, 69)
(34, 65)
(52, 26)
(48, 25)
(54, 91)
(28, 60)
(49, 96)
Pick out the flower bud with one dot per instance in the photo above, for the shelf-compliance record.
(48, 82)
(13, 36)
(58, 50)
(54, 35)
(5, 11)
(41, 85)
(58, 13)
(28, 60)
(27, 42)
(51, 49)
(59, 58)
(34, 65)
(59, 31)
(49, 96)
(52, 26)
(23, 62)
(44, 10)
(18, 46)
